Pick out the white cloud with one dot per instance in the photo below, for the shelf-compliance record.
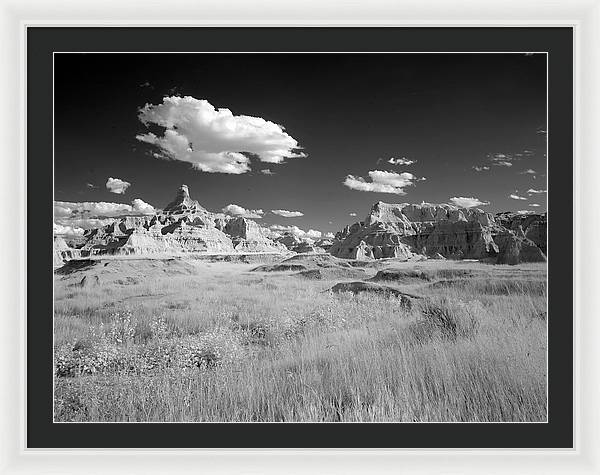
(516, 197)
(352, 214)
(534, 205)
(85, 223)
(142, 207)
(240, 211)
(381, 182)
(468, 202)
(116, 185)
(401, 161)
(529, 171)
(296, 231)
(266, 171)
(91, 209)
(480, 169)
(90, 214)
(524, 211)
(68, 230)
(502, 159)
(215, 140)
(287, 214)
(329, 235)
(531, 191)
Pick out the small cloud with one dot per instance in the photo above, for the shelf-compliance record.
(524, 211)
(352, 214)
(481, 169)
(116, 185)
(142, 207)
(146, 84)
(67, 230)
(400, 161)
(381, 182)
(502, 159)
(287, 214)
(528, 153)
(296, 231)
(531, 191)
(468, 202)
(240, 211)
(534, 205)
(516, 197)
(266, 171)
(529, 171)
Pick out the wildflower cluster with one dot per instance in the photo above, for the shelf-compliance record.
(111, 350)
(121, 329)
(209, 350)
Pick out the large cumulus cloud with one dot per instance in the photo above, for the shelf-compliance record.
(214, 140)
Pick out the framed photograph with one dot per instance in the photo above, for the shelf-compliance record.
(303, 246)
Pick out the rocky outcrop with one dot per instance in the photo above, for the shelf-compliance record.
(368, 287)
(441, 231)
(184, 226)
(60, 246)
(532, 226)
(516, 249)
(183, 204)
(248, 236)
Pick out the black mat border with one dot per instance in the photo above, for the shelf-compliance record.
(42, 433)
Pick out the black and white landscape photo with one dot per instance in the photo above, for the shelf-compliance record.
(300, 237)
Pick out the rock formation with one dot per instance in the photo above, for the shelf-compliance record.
(183, 226)
(183, 204)
(442, 231)
(248, 236)
(405, 231)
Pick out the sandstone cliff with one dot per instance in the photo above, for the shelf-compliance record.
(183, 226)
(442, 230)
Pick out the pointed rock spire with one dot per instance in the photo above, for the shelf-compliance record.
(183, 203)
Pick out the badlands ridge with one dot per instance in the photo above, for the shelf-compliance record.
(402, 231)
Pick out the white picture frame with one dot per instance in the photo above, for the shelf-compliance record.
(583, 15)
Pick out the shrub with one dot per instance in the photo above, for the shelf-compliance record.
(447, 319)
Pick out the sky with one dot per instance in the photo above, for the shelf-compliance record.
(306, 140)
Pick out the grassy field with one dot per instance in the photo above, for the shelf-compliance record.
(175, 340)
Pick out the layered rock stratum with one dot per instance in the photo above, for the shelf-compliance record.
(443, 231)
(404, 231)
(183, 226)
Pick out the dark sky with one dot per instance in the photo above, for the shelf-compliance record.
(449, 112)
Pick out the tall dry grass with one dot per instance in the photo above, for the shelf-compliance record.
(237, 346)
